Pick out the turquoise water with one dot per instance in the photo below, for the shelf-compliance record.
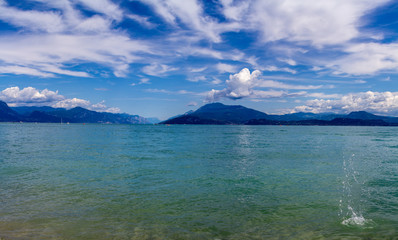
(197, 182)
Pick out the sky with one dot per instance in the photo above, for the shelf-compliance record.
(160, 58)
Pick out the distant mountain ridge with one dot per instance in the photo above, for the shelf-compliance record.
(234, 114)
(7, 114)
(220, 114)
(57, 115)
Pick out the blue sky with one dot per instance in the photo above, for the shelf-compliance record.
(159, 58)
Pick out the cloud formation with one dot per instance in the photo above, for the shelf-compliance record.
(367, 58)
(65, 28)
(317, 22)
(246, 85)
(375, 102)
(29, 96)
(51, 40)
(158, 70)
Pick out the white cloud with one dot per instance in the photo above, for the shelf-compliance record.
(32, 20)
(51, 40)
(276, 84)
(141, 81)
(101, 107)
(278, 69)
(359, 81)
(196, 70)
(192, 104)
(142, 20)
(34, 51)
(245, 85)
(93, 25)
(316, 68)
(375, 102)
(144, 81)
(239, 85)
(18, 70)
(156, 69)
(367, 58)
(276, 94)
(323, 95)
(223, 68)
(197, 78)
(318, 22)
(387, 79)
(29, 96)
(104, 6)
(216, 81)
(289, 61)
(190, 13)
(76, 102)
(183, 92)
(72, 103)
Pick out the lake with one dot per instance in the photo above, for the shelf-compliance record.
(197, 182)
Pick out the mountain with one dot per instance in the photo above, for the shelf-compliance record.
(180, 115)
(369, 116)
(57, 115)
(82, 115)
(218, 113)
(300, 116)
(334, 122)
(27, 110)
(7, 114)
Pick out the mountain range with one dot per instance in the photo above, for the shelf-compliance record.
(218, 113)
(213, 113)
(58, 115)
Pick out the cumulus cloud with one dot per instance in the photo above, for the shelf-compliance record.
(375, 102)
(239, 85)
(246, 85)
(29, 96)
(76, 102)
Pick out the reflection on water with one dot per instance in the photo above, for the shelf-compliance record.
(197, 182)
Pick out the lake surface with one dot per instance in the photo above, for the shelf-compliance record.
(197, 182)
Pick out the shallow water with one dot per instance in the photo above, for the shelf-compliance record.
(197, 182)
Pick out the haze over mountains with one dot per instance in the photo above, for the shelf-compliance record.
(218, 113)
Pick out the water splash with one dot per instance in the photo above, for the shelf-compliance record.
(350, 203)
(356, 219)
